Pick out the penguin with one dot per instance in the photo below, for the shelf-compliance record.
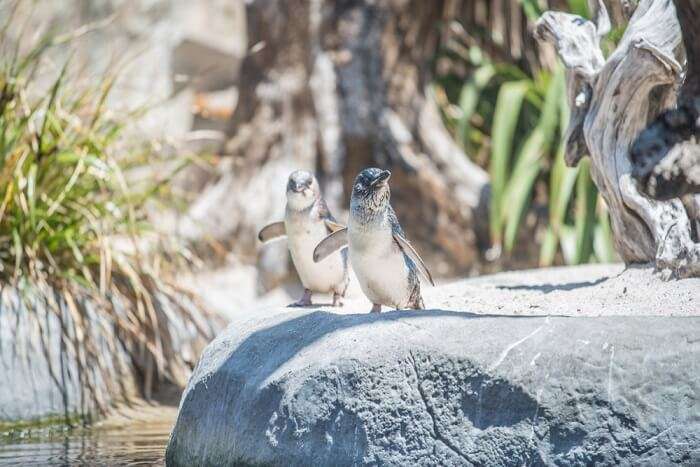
(386, 265)
(307, 221)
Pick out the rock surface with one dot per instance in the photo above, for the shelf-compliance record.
(45, 382)
(456, 386)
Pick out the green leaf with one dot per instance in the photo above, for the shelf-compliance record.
(532, 9)
(528, 164)
(50, 106)
(584, 216)
(562, 182)
(561, 185)
(579, 7)
(31, 194)
(520, 185)
(548, 249)
(508, 105)
(603, 243)
(17, 246)
(567, 240)
(469, 98)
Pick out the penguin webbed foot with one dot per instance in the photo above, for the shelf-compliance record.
(376, 308)
(305, 300)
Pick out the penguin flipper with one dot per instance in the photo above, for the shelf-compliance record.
(409, 251)
(330, 244)
(333, 226)
(272, 232)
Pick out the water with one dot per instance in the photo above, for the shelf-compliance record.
(133, 444)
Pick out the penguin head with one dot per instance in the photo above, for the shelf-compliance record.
(371, 188)
(302, 190)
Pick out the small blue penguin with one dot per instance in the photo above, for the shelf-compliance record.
(385, 263)
(307, 221)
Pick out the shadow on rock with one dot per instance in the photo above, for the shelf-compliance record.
(548, 288)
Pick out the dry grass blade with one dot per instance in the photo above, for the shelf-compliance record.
(65, 197)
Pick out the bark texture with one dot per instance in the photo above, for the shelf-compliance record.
(334, 87)
(612, 100)
(666, 156)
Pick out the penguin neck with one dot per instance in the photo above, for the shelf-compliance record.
(295, 209)
(366, 215)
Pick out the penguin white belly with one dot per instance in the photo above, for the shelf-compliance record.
(380, 267)
(325, 276)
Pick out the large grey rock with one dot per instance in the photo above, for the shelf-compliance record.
(451, 387)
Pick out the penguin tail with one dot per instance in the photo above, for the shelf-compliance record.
(415, 301)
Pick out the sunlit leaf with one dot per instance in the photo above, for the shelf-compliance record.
(548, 248)
(603, 244)
(579, 7)
(469, 98)
(584, 216)
(532, 9)
(508, 105)
(567, 241)
(527, 168)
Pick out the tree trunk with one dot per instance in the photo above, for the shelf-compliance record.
(334, 87)
(611, 101)
(666, 156)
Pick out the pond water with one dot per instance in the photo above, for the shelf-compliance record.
(131, 445)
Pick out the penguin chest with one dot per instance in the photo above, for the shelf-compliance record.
(303, 236)
(380, 267)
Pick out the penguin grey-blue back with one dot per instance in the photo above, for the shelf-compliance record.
(307, 221)
(385, 263)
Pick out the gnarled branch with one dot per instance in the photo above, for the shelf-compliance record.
(611, 101)
(666, 156)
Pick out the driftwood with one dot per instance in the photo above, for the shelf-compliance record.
(334, 87)
(666, 156)
(612, 100)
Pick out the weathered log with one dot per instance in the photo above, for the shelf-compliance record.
(333, 87)
(689, 18)
(666, 156)
(612, 101)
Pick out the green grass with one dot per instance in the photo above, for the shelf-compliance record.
(517, 121)
(65, 200)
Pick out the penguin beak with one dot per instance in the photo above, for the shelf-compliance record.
(297, 187)
(382, 178)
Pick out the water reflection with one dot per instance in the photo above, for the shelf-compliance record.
(138, 445)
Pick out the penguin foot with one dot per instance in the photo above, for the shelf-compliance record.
(305, 300)
(337, 299)
(376, 308)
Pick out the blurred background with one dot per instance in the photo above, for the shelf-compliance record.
(143, 143)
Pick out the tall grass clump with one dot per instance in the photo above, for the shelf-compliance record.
(512, 121)
(66, 206)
